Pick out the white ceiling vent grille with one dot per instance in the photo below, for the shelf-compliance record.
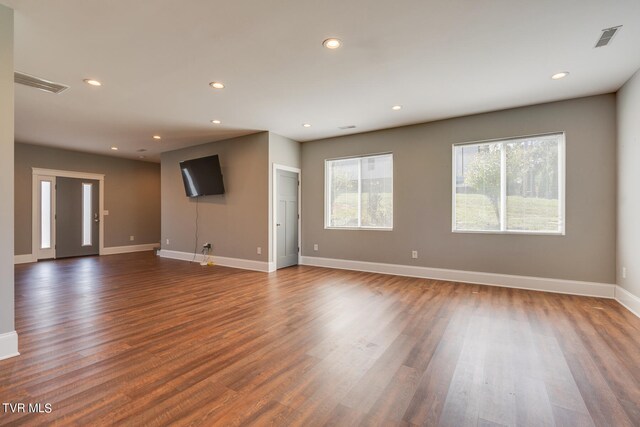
(607, 35)
(38, 83)
(347, 127)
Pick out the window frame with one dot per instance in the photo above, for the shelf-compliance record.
(327, 193)
(562, 169)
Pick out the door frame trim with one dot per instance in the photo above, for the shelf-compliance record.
(274, 213)
(35, 202)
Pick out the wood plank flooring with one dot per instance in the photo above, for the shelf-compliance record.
(139, 340)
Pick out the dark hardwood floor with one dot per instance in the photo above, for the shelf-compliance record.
(138, 340)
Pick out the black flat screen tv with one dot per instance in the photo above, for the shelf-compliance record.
(202, 177)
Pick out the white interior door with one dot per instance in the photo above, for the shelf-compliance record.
(46, 207)
(286, 218)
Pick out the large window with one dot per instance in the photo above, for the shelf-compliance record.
(359, 192)
(510, 186)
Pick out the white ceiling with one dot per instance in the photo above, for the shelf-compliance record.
(438, 59)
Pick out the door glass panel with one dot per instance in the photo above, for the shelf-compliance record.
(45, 214)
(86, 214)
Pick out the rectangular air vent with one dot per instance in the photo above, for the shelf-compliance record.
(38, 83)
(607, 35)
(347, 127)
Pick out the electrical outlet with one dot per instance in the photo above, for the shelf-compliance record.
(167, 241)
(206, 246)
(259, 250)
(624, 272)
(315, 246)
(414, 254)
(132, 238)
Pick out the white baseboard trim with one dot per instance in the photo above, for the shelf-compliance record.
(244, 264)
(628, 300)
(9, 345)
(572, 287)
(24, 259)
(27, 258)
(129, 249)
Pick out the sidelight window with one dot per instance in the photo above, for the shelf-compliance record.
(45, 214)
(87, 214)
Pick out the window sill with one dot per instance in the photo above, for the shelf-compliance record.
(518, 233)
(358, 228)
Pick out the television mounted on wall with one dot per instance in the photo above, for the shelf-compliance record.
(202, 176)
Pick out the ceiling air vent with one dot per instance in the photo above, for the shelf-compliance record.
(347, 127)
(38, 83)
(607, 35)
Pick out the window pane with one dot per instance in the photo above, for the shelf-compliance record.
(477, 187)
(343, 186)
(377, 191)
(521, 179)
(532, 184)
(45, 214)
(359, 192)
(86, 214)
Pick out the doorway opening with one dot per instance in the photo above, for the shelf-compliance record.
(67, 214)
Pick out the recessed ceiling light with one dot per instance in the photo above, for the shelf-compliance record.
(396, 107)
(114, 148)
(216, 122)
(561, 75)
(306, 125)
(157, 137)
(332, 43)
(92, 82)
(216, 85)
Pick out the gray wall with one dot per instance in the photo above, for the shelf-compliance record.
(132, 193)
(285, 152)
(235, 222)
(422, 195)
(6, 170)
(628, 184)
